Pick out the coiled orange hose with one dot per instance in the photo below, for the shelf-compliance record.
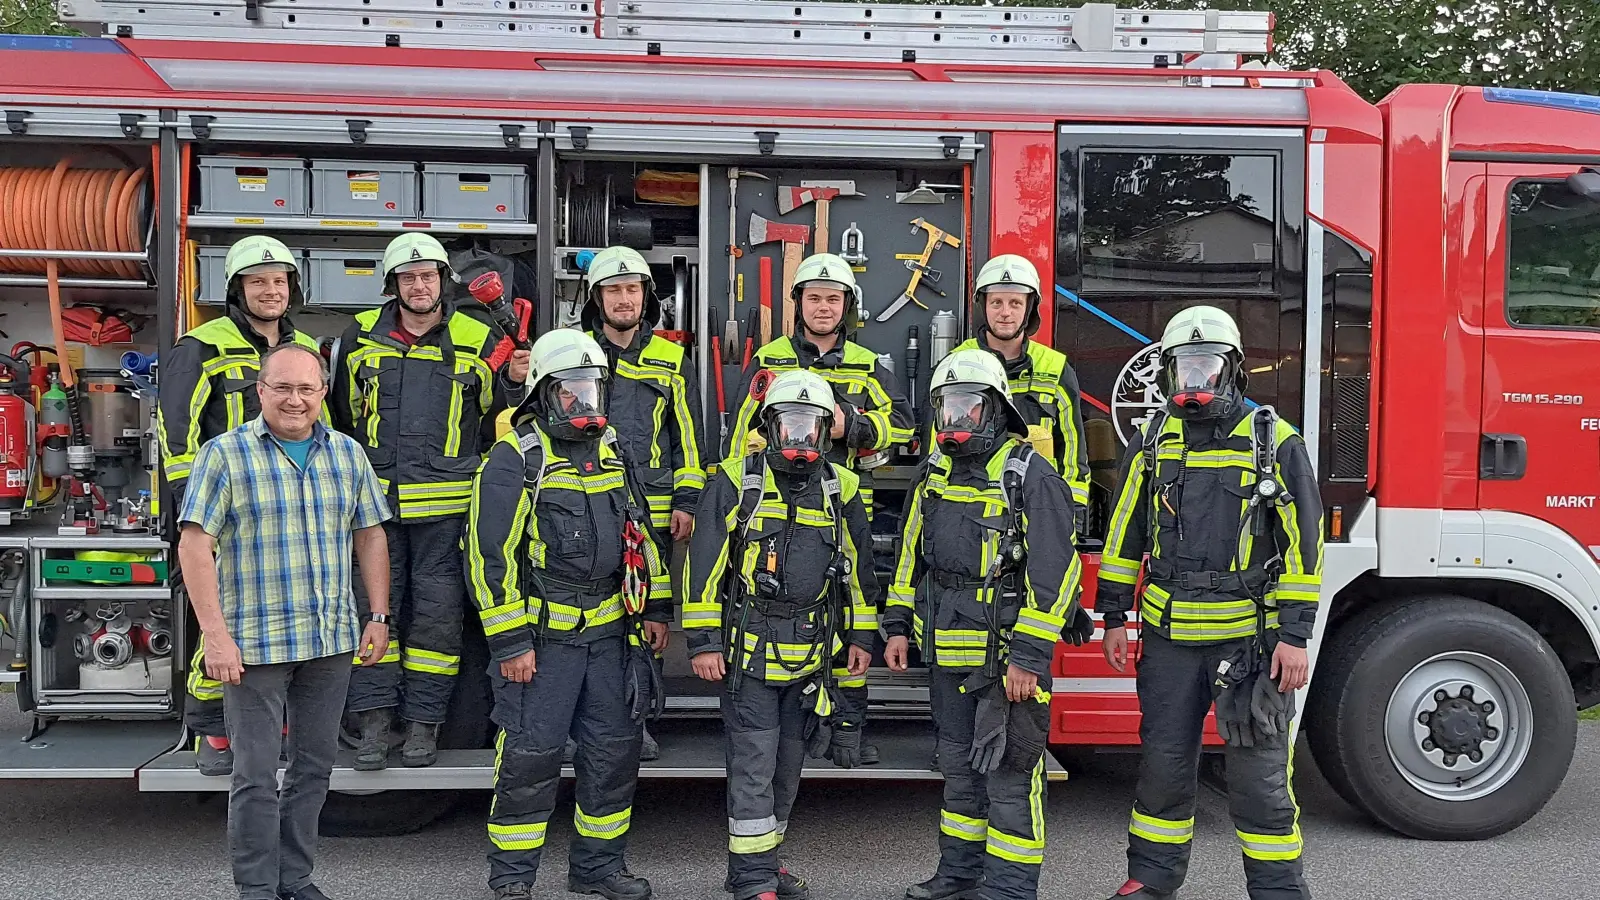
(89, 209)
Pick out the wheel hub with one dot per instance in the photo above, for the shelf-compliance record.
(1459, 725)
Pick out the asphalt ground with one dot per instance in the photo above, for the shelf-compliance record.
(852, 841)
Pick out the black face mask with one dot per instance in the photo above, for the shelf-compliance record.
(573, 404)
(966, 421)
(1201, 381)
(797, 438)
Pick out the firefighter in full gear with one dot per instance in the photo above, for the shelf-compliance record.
(871, 411)
(1222, 497)
(986, 582)
(1044, 387)
(208, 386)
(766, 611)
(567, 576)
(654, 401)
(412, 386)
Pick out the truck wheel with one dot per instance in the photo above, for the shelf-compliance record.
(383, 813)
(1335, 662)
(1456, 721)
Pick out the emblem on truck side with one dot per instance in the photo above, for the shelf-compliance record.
(1137, 395)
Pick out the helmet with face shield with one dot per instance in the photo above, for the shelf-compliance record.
(972, 408)
(568, 377)
(1202, 359)
(796, 418)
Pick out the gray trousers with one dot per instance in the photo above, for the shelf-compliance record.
(765, 725)
(272, 835)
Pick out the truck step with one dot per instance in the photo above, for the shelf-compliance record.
(689, 749)
(86, 749)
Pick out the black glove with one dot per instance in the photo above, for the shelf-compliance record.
(643, 690)
(844, 747)
(989, 729)
(1236, 679)
(1080, 627)
(818, 731)
(1027, 734)
(1271, 711)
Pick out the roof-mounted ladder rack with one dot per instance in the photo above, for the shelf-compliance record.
(1095, 34)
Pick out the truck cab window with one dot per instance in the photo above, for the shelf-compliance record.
(1168, 222)
(1553, 256)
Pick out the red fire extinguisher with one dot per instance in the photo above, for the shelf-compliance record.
(16, 434)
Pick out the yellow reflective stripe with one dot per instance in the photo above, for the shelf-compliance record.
(688, 477)
(702, 615)
(901, 591)
(1117, 532)
(1015, 849)
(517, 837)
(1042, 625)
(436, 490)
(1222, 609)
(958, 637)
(178, 467)
(436, 508)
(391, 654)
(417, 660)
(503, 617)
(1161, 831)
(559, 616)
(965, 828)
(1123, 571)
(753, 835)
(1300, 596)
(606, 828)
(1271, 847)
(759, 844)
(200, 687)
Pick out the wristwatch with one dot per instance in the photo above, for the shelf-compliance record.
(380, 618)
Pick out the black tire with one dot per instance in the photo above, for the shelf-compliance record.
(1381, 651)
(383, 813)
(1335, 662)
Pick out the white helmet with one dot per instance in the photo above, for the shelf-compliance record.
(1202, 363)
(567, 379)
(796, 418)
(1008, 272)
(972, 406)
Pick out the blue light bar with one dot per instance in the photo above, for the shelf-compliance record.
(1552, 99)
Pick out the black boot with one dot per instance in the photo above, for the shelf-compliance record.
(516, 890)
(943, 887)
(620, 885)
(372, 754)
(649, 750)
(422, 745)
(1134, 890)
(212, 760)
(792, 886)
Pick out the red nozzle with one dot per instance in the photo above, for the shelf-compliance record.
(487, 288)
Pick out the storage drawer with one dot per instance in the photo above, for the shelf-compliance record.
(247, 185)
(364, 189)
(452, 191)
(345, 278)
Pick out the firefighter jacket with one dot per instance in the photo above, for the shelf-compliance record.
(419, 409)
(208, 386)
(954, 528)
(545, 543)
(876, 413)
(762, 583)
(1210, 574)
(655, 407)
(1044, 389)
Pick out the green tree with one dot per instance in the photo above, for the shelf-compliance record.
(30, 17)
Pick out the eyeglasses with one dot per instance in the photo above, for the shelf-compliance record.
(427, 276)
(303, 391)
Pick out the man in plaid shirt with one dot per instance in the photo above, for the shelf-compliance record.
(271, 513)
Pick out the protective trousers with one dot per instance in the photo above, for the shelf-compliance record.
(577, 690)
(1175, 692)
(427, 595)
(766, 749)
(992, 826)
(202, 712)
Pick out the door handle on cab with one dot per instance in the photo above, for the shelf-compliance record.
(1502, 457)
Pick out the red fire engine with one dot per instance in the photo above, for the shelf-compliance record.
(1418, 285)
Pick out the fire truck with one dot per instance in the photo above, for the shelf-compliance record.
(1417, 282)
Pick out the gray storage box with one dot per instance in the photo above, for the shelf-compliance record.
(250, 185)
(452, 191)
(213, 284)
(348, 278)
(363, 189)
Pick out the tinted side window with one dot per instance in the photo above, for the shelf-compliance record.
(1553, 257)
(1177, 222)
